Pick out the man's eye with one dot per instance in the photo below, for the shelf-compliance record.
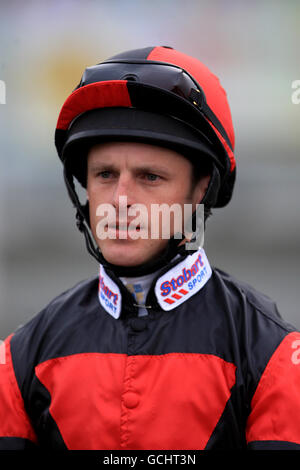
(152, 177)
(104, 174)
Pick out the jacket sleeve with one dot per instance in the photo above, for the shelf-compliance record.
(274, 420)
(16, 431)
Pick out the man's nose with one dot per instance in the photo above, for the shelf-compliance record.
(124, 188)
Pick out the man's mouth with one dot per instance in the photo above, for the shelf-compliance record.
(125, 227)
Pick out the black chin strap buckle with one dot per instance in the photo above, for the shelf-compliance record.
(79, 221)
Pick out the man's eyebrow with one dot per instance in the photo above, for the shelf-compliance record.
(149, 168)
(94, 167)
(143, 168)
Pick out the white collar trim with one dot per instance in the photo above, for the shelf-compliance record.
(171, 289)
(183, 281)
(109, 294)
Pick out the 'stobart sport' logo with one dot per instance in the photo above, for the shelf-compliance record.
(184, 277)
(106, 291)
(109, 294)
(183, 281)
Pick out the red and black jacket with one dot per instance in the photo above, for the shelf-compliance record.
(212, 366)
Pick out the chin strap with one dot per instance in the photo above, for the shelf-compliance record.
(172, 249)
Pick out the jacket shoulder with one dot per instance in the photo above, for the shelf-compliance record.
(262, 304)
(34, 341)
(67, 304)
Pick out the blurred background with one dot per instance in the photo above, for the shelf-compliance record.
(253, 47)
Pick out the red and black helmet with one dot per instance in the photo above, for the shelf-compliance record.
(156, 95)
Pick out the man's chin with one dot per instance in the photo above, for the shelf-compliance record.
(128, 253)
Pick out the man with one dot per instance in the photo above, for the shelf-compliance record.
(160, 351)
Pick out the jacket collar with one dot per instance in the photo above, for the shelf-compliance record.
(174, 285)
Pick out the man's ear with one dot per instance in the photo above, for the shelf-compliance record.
(200, 189)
